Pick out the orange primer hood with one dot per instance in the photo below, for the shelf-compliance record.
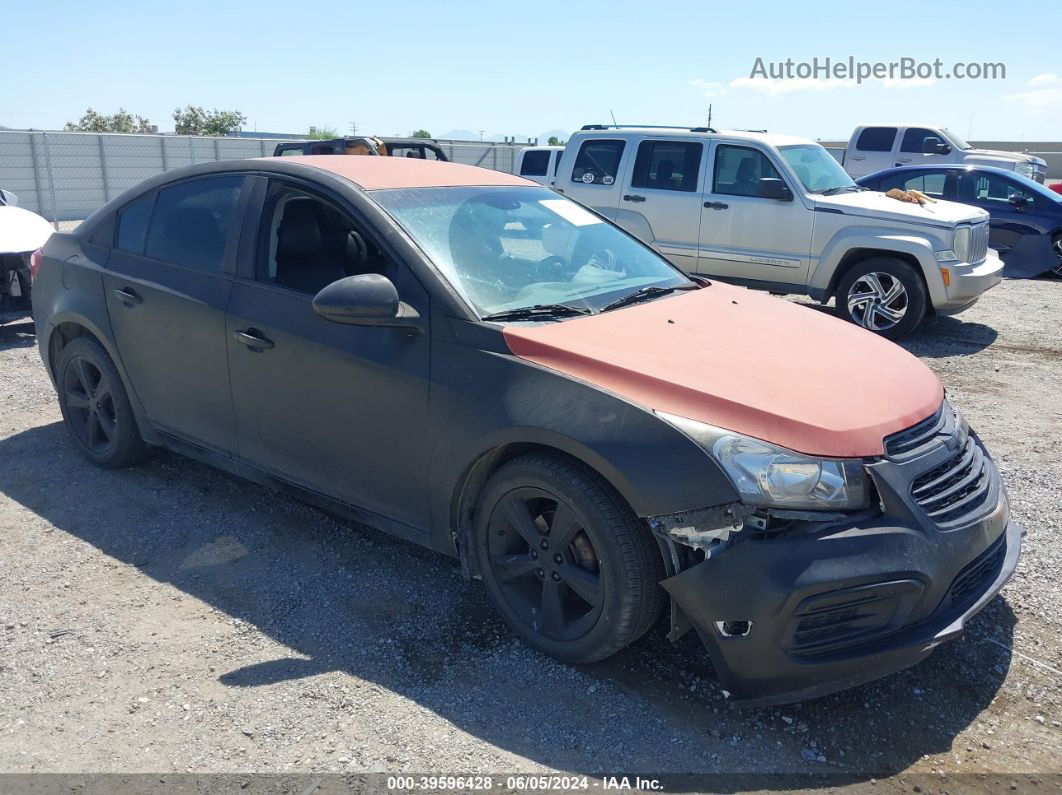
(746, 362)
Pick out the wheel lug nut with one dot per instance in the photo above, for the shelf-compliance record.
(557, 558)
(534, 554)
(545, 543)
(540, 572)
(555, 576)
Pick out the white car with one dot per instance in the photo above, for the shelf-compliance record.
(874, 147)
(538, 163)
(779, 213)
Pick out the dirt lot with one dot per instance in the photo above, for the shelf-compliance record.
(172, 618)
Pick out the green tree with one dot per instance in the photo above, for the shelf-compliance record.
(554, 141)
(420, 134)
(121, 122)
(193, 120)
(322, 133)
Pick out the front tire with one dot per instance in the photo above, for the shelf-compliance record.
(1056, 246)
(565, 560)
(884, 295)
(95, 406)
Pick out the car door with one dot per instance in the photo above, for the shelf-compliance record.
(911, 144)
(593, 180)
(873, 151)
(742, 236)
(167, 282)
(337, 409)
(991, 191)
(660, 200)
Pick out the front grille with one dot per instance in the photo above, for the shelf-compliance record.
(971, 582)
(978, 243)
(899, 444)
(956, 488)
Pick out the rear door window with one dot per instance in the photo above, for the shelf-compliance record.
(930, 183)
(667, 165)
(133, 222)
(598, 162)
(876, 139)
(535, 164)
(192, 221)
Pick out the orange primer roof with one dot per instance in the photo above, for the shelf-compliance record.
(377, 173)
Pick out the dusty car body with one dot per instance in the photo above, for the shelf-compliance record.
(466, 360)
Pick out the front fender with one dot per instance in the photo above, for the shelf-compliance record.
(852, 238)
(485, 400)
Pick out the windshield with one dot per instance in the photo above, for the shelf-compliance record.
(816, 168)
(509, 248)
(955, 138)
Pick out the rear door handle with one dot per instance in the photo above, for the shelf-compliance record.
(633, 197)
(716, 205)
(253, 339)
(860, 157)
(128, 297)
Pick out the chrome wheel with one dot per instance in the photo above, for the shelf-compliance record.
(1056, 244)
(877, 301)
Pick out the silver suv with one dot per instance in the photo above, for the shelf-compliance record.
(779, 213)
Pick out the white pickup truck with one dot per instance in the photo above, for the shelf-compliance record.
(874, 147)
(779, 213)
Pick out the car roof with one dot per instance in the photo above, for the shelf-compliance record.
(760, 136)
(379, 173)
(939, 167)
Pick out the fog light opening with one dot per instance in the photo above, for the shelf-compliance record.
(733, 629)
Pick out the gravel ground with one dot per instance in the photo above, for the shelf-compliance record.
(173, 618)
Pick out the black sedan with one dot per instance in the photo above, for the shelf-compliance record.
(472, 362)
(1025, 218)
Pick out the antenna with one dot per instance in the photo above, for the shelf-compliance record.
(709, 114)
(613, 115)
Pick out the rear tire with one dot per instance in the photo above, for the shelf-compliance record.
(884, 295)
(565, 560)
(1056, 245)
(95, 406)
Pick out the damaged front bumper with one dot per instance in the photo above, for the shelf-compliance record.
(790, 618)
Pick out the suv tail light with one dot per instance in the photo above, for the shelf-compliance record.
(35, 264)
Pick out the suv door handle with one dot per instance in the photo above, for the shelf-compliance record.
(716, 205)
(127, 296)
(633, 197)
(253, 339)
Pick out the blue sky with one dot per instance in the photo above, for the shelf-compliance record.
(529, 67)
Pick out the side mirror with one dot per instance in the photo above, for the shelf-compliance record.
(773, 188)
(1018, 202)
(934, 146)
(368, 299)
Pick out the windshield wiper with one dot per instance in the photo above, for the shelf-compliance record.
(838, 189)
(537, 312)
(645, 294)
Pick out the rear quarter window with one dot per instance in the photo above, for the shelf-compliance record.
(535, 164)
(597, 162)
(133, 222)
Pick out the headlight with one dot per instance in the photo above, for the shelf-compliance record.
(961, 244)
(771, 476)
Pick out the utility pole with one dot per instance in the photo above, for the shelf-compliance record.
(481, 134)
(353, 128)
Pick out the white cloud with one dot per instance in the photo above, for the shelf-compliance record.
(1046, 94)
(913, 82)
(709, 88)
(774, 87)
(1046, 79)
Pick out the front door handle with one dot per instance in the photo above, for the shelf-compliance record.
(128, 297)
(253, 339)
(716, 205)
(860, 157)
(633, 197)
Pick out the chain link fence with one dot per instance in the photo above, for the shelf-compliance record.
(66, 176)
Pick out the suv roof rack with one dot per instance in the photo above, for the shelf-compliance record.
(647, 126)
